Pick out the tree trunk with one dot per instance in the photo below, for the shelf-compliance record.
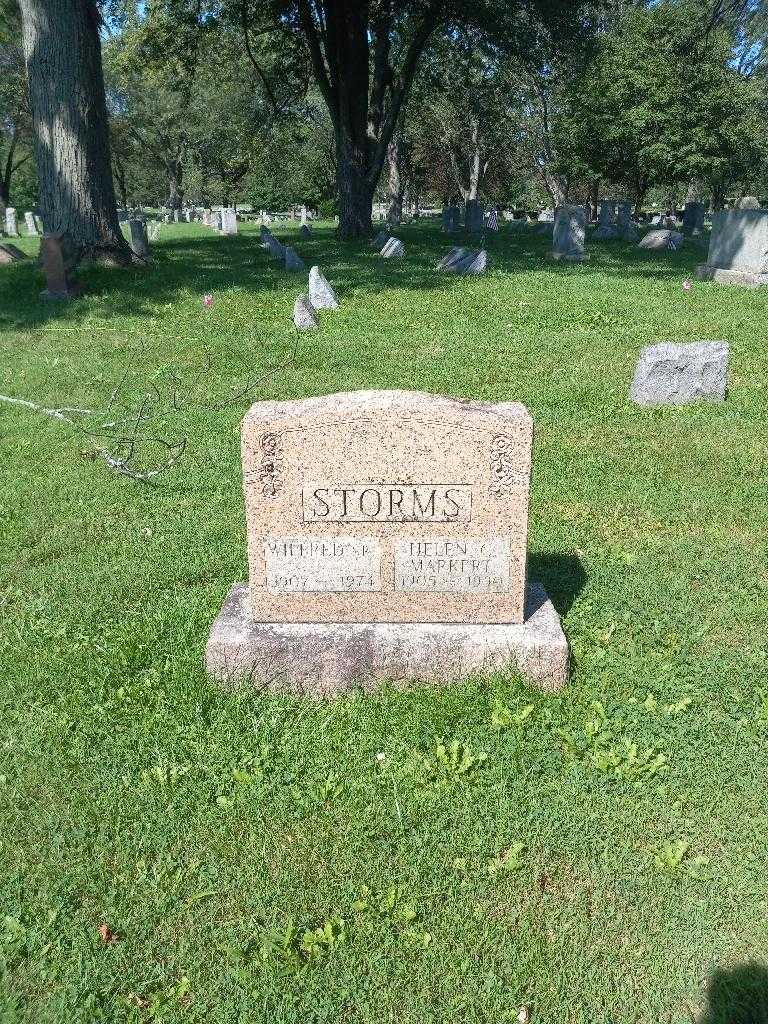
(175, 189)
(396, 191)
(594, 196)
(355, 192)
(62, 52)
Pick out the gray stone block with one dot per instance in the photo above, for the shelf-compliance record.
(321, 294)
(569, 233)
(738, 277)
(674, 374)
(739, 243)
(304, 314)
(292, 260)
(661, 240)
(327, 659)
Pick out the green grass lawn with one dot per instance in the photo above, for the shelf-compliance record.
(596, 856)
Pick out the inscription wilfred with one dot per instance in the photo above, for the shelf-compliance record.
(386, 503)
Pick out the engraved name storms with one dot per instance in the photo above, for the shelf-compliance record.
(387, 503)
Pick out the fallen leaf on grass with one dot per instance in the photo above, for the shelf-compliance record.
(108, 937)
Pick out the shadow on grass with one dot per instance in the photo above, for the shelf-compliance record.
(562, 576)
(738, 995)
(191, 259)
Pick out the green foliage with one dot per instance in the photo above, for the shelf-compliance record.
(662, 103)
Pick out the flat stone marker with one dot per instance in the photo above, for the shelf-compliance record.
(568, 234)
(304, 314)
(671, 374)
(387, 535)
(11, 222)
(58, 283)
(661, 240)
(321, 294)
(393, 249)
(10, 253)
(738, 249)
(292, 260)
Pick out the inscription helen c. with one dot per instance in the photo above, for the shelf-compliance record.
(386, 503)
(466, 565)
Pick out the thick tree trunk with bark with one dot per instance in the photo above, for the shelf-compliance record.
(62, 52)
(350, 45)
(355, 191)
(175, 188)
(396, 183)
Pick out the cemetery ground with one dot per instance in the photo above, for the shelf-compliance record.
(173, 852)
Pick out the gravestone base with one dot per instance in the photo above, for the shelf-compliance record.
(570, 257)
(325, 659)
(745, 278)
(74, 291)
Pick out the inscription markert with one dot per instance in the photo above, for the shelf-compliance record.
(466, 565)
(386, 503)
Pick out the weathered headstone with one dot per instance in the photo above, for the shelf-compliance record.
(276, 249)
(139, 239)
(456, 254)
(387, 535)
(738, 249)
(11, 222)
(153, 230)
(228, 222)
(607, 213)
(10, 253)
(305, 231)
(381, 239)
(475, 262)
(393, 249)
(569, 233)
(626, 229)
(671, 374)
(693, 218)
(661, 240)
(451, 219)
(58, 282)
(31, 223)
(748, 203)
(304, 314)
(303, 216)
(474, 215)
(321, 294)
(292, 260)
